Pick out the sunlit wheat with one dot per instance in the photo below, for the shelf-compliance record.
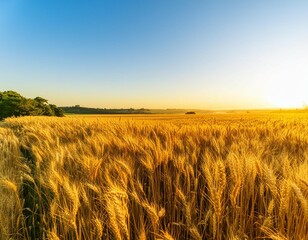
(232, 176)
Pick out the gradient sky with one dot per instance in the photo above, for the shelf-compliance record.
(156, 53)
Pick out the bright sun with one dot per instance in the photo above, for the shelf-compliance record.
(292, 94)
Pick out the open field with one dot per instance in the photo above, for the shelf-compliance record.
(212, 176)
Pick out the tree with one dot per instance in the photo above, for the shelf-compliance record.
(13, 104)
(57, 111)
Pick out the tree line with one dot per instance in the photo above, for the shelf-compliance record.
(14, 104)
(77, 109)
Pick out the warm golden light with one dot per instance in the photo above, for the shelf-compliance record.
(289, 94)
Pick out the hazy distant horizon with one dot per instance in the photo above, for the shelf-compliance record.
(195, 109)
(157, 54)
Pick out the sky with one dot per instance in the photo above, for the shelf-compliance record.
(205, 54)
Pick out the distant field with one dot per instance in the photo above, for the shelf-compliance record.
(223, 175)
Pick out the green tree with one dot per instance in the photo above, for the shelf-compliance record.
(56, 111)
(13, 104)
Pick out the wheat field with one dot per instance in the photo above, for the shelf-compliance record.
(211, 176)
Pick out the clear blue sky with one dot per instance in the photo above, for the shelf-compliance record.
(156, 53)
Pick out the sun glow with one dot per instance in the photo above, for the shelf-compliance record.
(287, 94)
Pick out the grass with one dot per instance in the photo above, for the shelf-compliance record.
(214, 176)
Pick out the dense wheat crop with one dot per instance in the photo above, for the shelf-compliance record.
(232, 176)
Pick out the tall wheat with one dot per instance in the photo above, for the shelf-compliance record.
(232, 176)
